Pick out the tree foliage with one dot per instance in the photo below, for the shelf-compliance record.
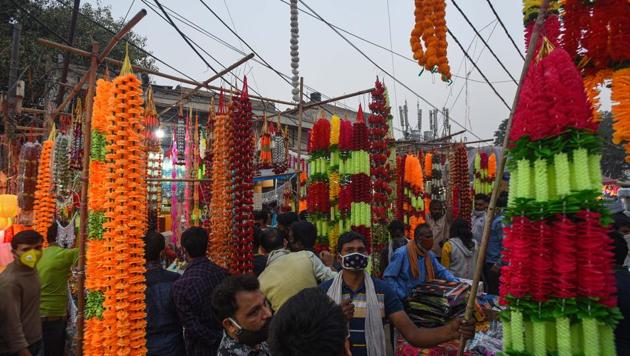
(40, 64)
(499, 134)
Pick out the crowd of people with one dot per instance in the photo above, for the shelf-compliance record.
(296, 302)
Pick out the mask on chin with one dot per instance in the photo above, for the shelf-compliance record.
(479, 213)
(249, 337)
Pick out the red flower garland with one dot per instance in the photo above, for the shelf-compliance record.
(320, 136)
(379, 153)
(242, 158)
(317, 198)
(360, 140)
(541, 261)
(461, 200)
(516, 274)
(564, 261)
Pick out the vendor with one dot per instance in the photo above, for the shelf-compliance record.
(415, 263)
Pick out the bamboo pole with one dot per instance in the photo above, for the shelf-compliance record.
(83, 213)
(201, 85)
(533, 43)
(117, 37)
(320, 103)
(299, 145)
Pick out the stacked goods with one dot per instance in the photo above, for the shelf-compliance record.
(358, 166)
(461, 200)
(76, 138)
(44, 208)
(437, 302)
(124, 315)
(428, 37)
(221, 203)
(27, 179)
(558, 283)
(380, 168)
(96, 256)
(482, 180)
(62, 176)
(317, 193)
(413, 195)
(334, 183)
(242, 159)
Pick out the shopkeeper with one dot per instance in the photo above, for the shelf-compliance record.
(415, 263)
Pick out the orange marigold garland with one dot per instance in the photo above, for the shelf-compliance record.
(220, 205)
(44, 208)
(428, 37)
(621, 108)
(125, 218)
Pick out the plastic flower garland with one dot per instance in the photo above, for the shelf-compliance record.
(483, 181)
(27, 177)
(280, 149)
(317, 193)
(358, 166)
(61, 167)
(265, 157)
(44, 208)
(242, 160)
(413, 203)
(76, 138)
(206, 186)
(96, 255)
(221, 203)
(428, 37)
(461, 199)
(189, 170)
(334, 182)
(345, 176)
(125, 223)
(151, 123)
(621, 108)
(558, 282)
(399, 210)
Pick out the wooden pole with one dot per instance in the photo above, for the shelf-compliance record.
(201, 85)
(85, 176)
(299, 146)
(533, 44)
(82, 53)
(113, 42)
(319, 103)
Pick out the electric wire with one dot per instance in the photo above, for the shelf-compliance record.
(505, 29)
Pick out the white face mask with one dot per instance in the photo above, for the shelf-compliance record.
(479, 213)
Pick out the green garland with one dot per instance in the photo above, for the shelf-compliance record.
(94, 305)
(96, 219)
(547, 148)
(97, 149)
(569, 204)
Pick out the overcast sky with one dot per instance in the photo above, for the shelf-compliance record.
(333, 67)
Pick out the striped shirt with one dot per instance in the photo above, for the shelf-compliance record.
(388, 302)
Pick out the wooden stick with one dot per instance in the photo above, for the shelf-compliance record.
(201, 85)
(83, 213)
(533, 43)
(117, 37)
(444, 138)
(82, 53)
(320, 103)
(299, 146)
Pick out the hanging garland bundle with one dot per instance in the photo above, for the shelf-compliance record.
(221, 203)
(334, 183)
(483, 181)
(621, 108)
(206, 186)
(44, 208)
(189, 170)
(154, 160)
(125, 224)
(76, 137)
(61, 167)
(345, 174)
(318, 201)
(280, 150)
(400, 188)
(265, 158)
(558, 282)
(151, 123)
(461, 199)
(27, 179)
(428, 37)
(413, 200)
(96, 255)
(242, 158)
(434, 170)
(358, 166)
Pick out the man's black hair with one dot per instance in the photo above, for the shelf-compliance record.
(27, 237)
(287, 219)
(481, 196)
(223, 302)
(436, 202)
(154, 244)
(51, 233)
(461, 228)
(303, 215)
(257, 237)
(620, 220)
(620, 248)
(271, 239)
(195, 241)
(396, 226)
(305, 233)
(261, 215)
(348, 237)
(416, 232)
(502, 199)
(308, 324)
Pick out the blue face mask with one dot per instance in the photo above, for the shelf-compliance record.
(354, 261)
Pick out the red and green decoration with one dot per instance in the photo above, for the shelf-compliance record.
(242, 166)
(345, 195)
(483, 178)
(558, 284)
(317, 193)
(358, 166)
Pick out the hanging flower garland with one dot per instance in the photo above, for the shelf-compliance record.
(483, 181)
(76, 137)
(621, 108)
(317, 195)
(206, 186)
(344, 198)
(360, 209)
(221, 203)
(27, 179)
(44, 208)
(242, 159)
(334, 183)
(154, 160)
(559, 278)
(151, 123)
(461, 198)
(400, 188)
(96, 255)
(413, 203)
(265, 158)
(61, 167)
(125, 224)
(428, 37)
(280, 149)
(189, 170)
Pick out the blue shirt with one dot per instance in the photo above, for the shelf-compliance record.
(495, 244)
(398, 273)
(387, 299)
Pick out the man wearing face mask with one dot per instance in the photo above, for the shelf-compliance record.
(245, 315)
(479, 215)
(415, 263)
(20, 323)
(375, 303)
(439, 222)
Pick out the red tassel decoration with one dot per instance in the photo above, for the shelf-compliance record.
(565, 258)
